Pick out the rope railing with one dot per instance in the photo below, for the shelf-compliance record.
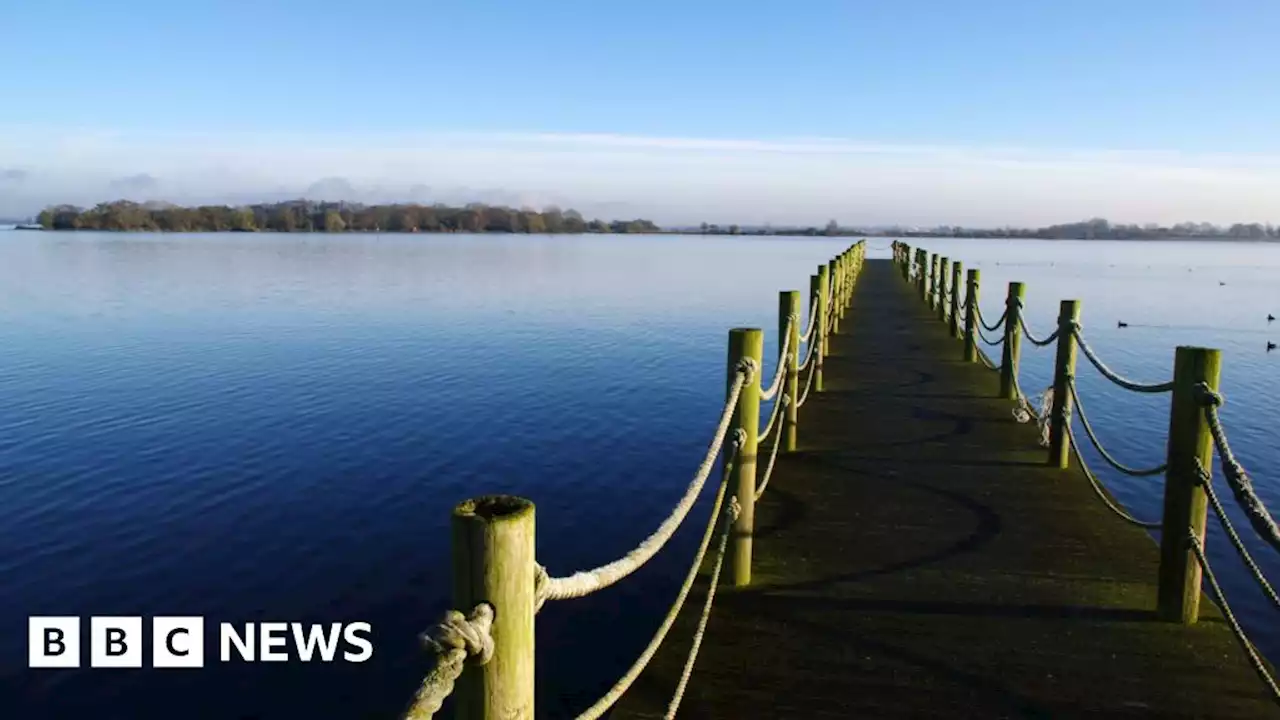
(1237, 479)
(998, 324)
(808, 383)
(1255, 660)
(773, 455)
(781, 370)
(1112, 375)
(991, 365)
(731, 515)
(813, 316)
(1100, 491)
(810, 352)
(1093, 439)
(773, 418)
(837, 291)
(585, 582)
(1229, 529)
(1031, 338)
(982, 324)
(461, 641)
(1193, 392)
(615, 693)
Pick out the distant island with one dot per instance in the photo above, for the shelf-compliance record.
(309, 216)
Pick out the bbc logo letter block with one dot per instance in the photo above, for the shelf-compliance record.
(55, 642)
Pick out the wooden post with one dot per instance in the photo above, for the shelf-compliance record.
(955, 299)
(844, 282)
(1064, 369)
(1190, 447)
(744, 343)
(833, 298)
(922, 272)
(973, 281)
(933, 279)
(789, 307)
(493, 562)
(824, 300)
(1012, 342)
(944, 270)
(814, 292)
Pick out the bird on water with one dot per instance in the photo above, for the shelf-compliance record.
(1270, 346)
(1271, 318)
(1122, 324)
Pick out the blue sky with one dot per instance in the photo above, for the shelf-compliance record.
(909, 111)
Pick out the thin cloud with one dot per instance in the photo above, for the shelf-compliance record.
(671, 179)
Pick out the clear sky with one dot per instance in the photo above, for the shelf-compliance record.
(910, 111)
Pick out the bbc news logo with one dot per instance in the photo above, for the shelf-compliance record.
(178, 642)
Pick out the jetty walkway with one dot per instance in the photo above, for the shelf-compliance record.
(911, 537)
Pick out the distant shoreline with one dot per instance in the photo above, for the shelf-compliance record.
(475, 218)
(671, 232)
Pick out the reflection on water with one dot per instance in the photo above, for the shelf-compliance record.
(259, 428)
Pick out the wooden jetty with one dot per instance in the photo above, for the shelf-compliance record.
(917, 551)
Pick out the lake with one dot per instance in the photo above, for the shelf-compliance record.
(262, 428)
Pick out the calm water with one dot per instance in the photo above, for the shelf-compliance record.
(260, 428)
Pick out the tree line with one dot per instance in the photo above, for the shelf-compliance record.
(1102, 229)
(308, 216)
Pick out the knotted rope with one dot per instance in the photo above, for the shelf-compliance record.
(1237, 479)
(1038, 410)
(1229, 528)
(455, 640)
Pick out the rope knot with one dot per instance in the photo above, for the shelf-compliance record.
(739, 437)
(1207, 397)
(1203, 473)
(459, 632)
(786, 400)
(748, 366)
(733, 509)
(541, 586)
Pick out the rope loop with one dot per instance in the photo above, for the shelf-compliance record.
(459, 632)
(739, 437)
(1207, 397)
(748, 366)
(541, 586)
